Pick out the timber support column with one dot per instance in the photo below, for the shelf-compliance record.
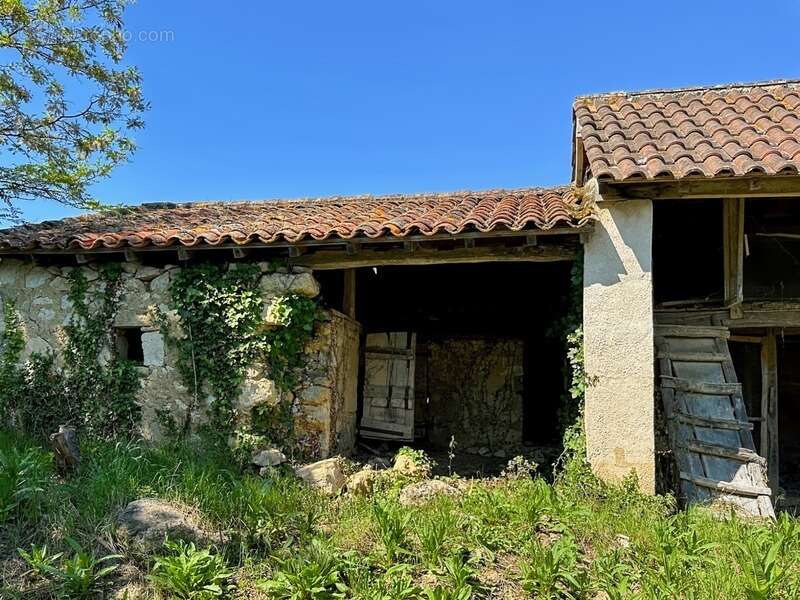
(618, 338)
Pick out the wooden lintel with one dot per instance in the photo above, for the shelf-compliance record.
(531, 240)
(353, 247)
(326, 259)
(295, 251)
(410, 246)
(469, 242)
(240, 252)
(718, 187)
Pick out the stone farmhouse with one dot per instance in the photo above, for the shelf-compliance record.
(682, 215)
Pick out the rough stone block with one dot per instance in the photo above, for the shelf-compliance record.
(153, 348)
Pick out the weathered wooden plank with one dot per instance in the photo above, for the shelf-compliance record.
(703, 357)
(732, 424)
(701, 387)
(737, 454)
(726, 486)
(691, 331)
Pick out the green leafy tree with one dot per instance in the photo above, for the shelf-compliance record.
(67, 104)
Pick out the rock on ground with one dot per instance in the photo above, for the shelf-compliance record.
(423, 492)
(405, 465)
(271, 457)
(326, 475)
(362, 483)
(145, 523)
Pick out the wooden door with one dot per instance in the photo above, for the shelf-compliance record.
(388, 411)
(709, 430)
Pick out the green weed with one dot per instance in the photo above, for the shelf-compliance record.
(315, 575)
(189, 573)
(80, 575)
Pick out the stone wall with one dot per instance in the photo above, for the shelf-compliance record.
(323, 402)
(472, 389)
(618, 338)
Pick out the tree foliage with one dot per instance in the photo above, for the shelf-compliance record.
(67, 104)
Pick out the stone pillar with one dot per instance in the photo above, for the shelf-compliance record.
(618, 336)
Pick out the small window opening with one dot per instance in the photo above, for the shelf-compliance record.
(129, 344)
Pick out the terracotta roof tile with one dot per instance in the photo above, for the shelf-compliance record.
(705, 132)
(214, 223)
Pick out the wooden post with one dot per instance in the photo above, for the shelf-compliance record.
(349, 298)
(769, 408)
(733, 241)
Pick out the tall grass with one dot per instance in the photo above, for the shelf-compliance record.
(537, 538)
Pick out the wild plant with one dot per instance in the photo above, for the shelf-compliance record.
(39, 559)
(461, 575)
(611, 575)
(80, 575)
(24, 476)
(443, 593)
(451, 454)
(397, 584)
(274, 511)
(392, 529)
(189, 573)
(679, 548)
(553, 571)
(760, 554)
(317, 574)
(433, 530)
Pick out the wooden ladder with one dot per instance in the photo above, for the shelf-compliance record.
(711, 438)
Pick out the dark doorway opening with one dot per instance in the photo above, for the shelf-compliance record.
(488, 355)
(789, 413)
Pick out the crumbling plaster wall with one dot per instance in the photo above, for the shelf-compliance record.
(618, 342)
(321, 403)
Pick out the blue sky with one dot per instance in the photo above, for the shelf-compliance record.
(254, 99)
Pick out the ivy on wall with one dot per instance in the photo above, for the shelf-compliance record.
(222, 331)
(572, 465)
(93, 389)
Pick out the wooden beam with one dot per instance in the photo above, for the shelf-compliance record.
(760, 315)
(131, 256)
(349, 296)
(354, 244)
(733, 245)
(326, 260)
(717, 187)
(295, 251)
(183, 254)
(240, 252)
(769, 408)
